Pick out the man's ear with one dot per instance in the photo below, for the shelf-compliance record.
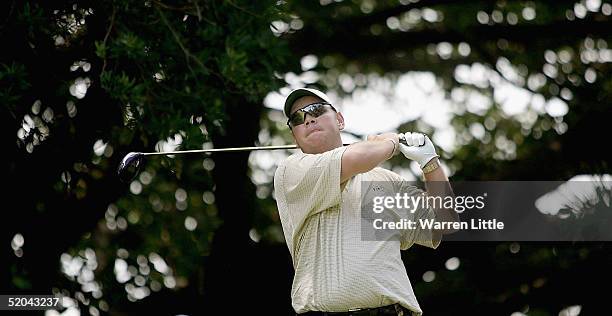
(340, 120)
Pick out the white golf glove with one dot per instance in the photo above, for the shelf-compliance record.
(419, 149)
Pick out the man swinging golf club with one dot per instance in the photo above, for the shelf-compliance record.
(318, 194)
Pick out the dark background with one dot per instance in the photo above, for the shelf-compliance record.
(82, 83)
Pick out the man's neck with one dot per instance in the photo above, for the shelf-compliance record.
(322, 150)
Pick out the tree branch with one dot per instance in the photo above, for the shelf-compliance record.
(108, 31)
(188, 54)
(336, 41)
(381, 16)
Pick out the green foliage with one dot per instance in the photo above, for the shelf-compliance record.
(389, 39)
(150, 72)
(122, 88)
(14, 79)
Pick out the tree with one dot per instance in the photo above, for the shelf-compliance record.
(551, 50)
(122, 76)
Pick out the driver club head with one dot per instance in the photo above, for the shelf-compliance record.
(130, 166)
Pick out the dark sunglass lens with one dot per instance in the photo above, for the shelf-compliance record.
(315, 109)
(297, 118)
(318, 109)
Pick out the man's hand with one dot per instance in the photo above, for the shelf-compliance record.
(419, 149)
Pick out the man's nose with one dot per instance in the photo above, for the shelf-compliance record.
(309, 119)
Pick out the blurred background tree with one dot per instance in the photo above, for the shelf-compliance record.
(84, 82)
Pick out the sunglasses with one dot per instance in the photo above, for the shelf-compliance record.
(315, 109)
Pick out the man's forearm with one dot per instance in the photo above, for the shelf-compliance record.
(437, 184)
(364, 156)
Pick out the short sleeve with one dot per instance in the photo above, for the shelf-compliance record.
(309, 183)
(421, 235)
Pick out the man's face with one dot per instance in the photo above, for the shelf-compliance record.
(317, 134)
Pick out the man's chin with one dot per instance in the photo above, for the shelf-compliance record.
(316, 139)
(317, 147)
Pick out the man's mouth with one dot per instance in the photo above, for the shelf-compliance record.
(313, 131)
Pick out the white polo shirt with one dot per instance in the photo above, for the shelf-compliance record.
(335, 271)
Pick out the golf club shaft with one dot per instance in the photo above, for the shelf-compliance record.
(212, 150)
(132, 162)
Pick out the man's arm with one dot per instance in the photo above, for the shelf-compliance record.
(421, 149)
(366, 155)
(437, 184)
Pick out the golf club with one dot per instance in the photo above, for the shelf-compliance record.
(131, 164)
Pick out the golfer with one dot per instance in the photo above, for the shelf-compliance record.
(317, 194)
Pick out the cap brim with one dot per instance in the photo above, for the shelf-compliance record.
(302, 92)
